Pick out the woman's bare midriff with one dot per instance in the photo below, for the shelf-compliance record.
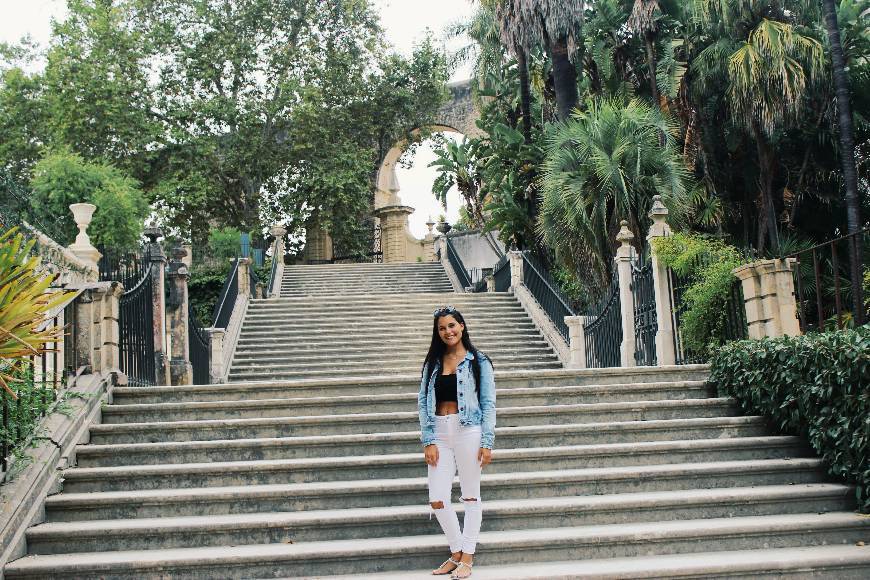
(447, 408)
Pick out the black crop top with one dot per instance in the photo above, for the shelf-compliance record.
(445, 388)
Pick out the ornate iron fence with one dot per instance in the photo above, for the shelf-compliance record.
(223, 309)
(645, 323)
(136, 332)
(199, 348)
(501, 274)
(546, 292)
(825, 293)
(457, 265)
(124, 267)
(603, 329)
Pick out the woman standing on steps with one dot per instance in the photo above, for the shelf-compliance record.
(457, 419)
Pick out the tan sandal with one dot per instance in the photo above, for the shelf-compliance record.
(459, 567)
(456, 564)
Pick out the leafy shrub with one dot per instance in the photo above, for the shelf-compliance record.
(708, 266)
(816, 386)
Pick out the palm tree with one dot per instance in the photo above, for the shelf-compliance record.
(767, 65)
(847, 150)
(643, 22)
(605, 165)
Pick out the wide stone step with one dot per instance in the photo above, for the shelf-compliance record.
(373, 422)
(363, 370)
(297, 334)
(303, 330)
(365, 523)
(502, 547)
(367, 493)
(507, 396)
(360, 289)
(375, 350)
(142, 435)
(411, 299)
(341, 309)
(263, 461)
(268, 320)
(416, 280)
(819, 562)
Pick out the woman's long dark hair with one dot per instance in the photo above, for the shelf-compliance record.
(437, 348)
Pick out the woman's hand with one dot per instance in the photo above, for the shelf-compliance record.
(484, 456)
(430, 452)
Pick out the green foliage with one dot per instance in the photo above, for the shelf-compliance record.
(224, 243)
(816, 386)
(64, 178)
(204, 288)
(707, 265)
(605, 165)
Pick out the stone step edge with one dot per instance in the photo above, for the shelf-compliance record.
(354, 516)
(401, 436)
(232, 493)
(507, 392)
(773, 563)
(395, 459)
(708, 530)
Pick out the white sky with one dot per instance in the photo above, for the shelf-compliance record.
(405, 22)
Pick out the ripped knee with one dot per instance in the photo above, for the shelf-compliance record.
(437, 505)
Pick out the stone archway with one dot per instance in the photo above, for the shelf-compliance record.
(397, 243)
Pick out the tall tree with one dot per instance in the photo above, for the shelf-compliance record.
(847, 151)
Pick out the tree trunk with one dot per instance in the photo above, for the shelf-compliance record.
(649, 37)
(564, 78)
(525, 94)
(847, 153)
(766, 169)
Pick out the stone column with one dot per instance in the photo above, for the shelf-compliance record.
(216, 355)
(278, 232)
(576, 341)
(429, 243)
(665, 351)
(180, 369)
(244, 277)
(768, 295)
(318, 243)
(101, 314)
(490, 283)
(394, 224)
(626, 300)
(82, 247)
(158, 299)
(516, 259)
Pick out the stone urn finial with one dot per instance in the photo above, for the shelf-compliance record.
(430, 224)
(152, 232)
(658, 214)
(82, 247)
(624, 236)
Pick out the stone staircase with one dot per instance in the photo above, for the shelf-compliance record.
(308, 464)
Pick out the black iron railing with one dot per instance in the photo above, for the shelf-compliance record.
(457, 265)
(826, 296)
(223, 309)
(501, 274)
(124, 267)
(546, 292)
(603, 330)
(253, 280)
(645, 322)
(199, 348)
(136, 332)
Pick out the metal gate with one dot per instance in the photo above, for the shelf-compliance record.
(136, 332)
(604, 331)
(645, 322)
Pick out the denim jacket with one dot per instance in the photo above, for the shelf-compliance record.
(471, 410)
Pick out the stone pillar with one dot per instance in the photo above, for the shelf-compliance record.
(244, 277)
(216, 355)
(429, 243)
(101, 314)
(82, 247)
(516, 259)
(665, 351)
(278, 232)
(576, 341)
(394, 225)
(180, 369)
(158, 299)
(768, 295)
(318, 243)
(490, 283)
(626, 300)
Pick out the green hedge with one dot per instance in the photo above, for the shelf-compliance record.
(816, 386)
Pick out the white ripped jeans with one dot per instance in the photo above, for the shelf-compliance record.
(458, 446)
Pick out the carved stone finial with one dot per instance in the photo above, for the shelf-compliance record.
(152, 232)
(178, 252)
(658, 213)
(278, 230)
(624, 236)
(82, 247)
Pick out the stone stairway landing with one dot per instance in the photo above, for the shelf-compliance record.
(346, 279)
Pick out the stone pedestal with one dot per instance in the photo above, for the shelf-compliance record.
(180, 368)
(318, 244)
(278, 232)
(394, 225)
(768, 294)
(158, 299)
(665, 351)
(100, 312)
(216, 355)
(626, 300)
(516, 266)
(576, 341)
(82, 247)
